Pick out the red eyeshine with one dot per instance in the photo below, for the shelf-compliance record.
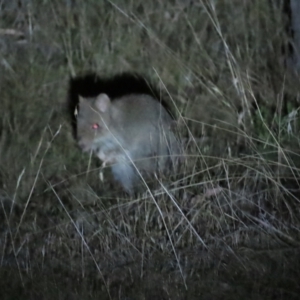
(95, 126)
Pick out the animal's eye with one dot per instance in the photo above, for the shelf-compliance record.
(95, 126)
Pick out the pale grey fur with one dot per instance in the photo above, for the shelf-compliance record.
(135, 133)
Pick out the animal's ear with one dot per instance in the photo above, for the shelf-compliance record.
(80, 103)
(81, 99)
(102, 102)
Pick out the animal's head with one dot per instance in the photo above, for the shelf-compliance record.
(93, 121)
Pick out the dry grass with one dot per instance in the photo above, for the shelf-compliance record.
(226, 226)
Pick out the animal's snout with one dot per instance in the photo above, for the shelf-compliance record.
(83, 145)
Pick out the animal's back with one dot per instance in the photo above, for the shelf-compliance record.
(147, 130)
